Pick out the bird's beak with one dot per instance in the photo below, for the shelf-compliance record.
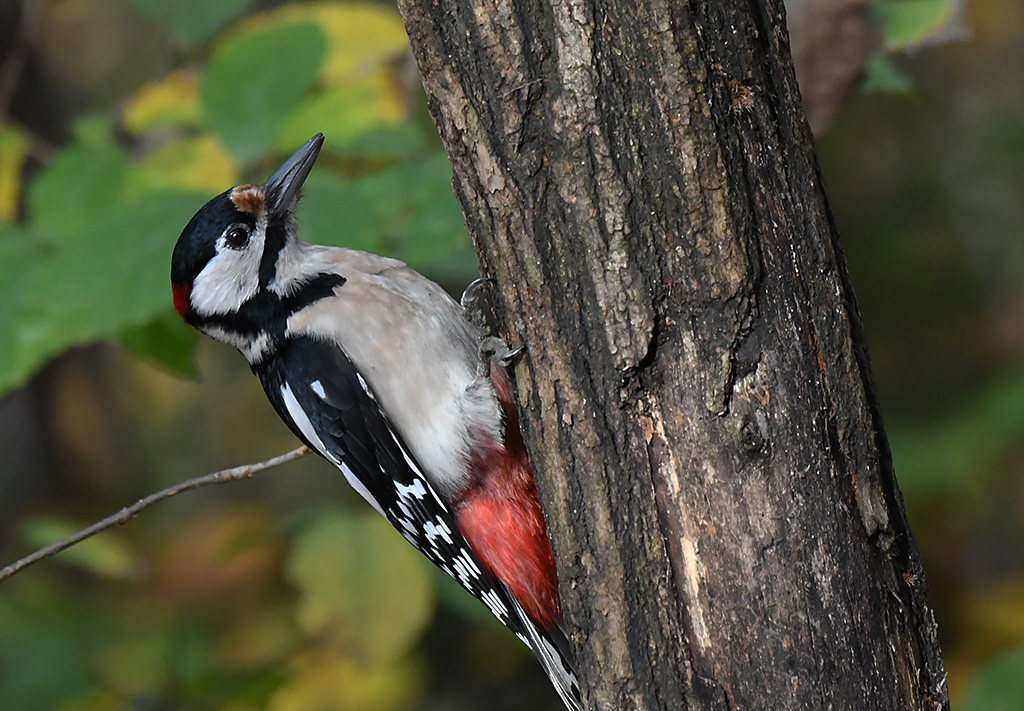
(282, 189)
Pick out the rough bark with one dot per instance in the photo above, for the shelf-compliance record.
(642, 185)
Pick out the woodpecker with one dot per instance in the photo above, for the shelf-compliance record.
(379, 371)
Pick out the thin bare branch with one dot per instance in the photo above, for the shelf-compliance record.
(128, 513)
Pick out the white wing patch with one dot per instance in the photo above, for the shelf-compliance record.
(318, 387)
(415, 490)
(301, 421)
(465, 568)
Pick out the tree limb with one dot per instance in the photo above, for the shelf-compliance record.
(129, 512)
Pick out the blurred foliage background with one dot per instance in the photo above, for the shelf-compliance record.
(120, 118)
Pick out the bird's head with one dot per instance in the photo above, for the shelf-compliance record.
(228, 252)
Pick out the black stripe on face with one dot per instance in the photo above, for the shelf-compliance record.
(274, 240)
(268, 313)
(197, 244)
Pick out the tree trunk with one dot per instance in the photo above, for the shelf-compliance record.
(696, 397)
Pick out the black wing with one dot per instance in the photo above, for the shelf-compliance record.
(321, 396)
(319, 393)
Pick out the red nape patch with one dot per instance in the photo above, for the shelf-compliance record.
(181, 302)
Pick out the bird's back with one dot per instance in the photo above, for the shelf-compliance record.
(418, 353)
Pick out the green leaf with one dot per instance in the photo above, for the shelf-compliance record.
(18, 257)
(363, 584)
(41, 647)
(157, 653)
(166, 341)
(882, 76)
(327, 680)
(957, 455)
(172, 101)
(335, 212)
(191, 22)
(910, 22)
(343, 113)
(999, 686)
(253, 82)
(76, 189)
(112, 277)
(427, 226)
(408, 210)
(384, 142)
(360, 35)
(198, 163)
(104, 554)
(436, 228)
(137, 662)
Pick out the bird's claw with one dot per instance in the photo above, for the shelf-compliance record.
(511, 355)
(494, 349)
(474, 307)
(469, 293)
(476, 310)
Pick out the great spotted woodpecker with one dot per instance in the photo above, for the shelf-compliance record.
(377, 369)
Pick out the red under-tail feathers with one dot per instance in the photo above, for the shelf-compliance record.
(501, 518)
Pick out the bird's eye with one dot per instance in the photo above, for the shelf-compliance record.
(237, 236)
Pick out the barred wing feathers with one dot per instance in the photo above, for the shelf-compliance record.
(326, 402)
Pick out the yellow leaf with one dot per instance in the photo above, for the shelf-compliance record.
(93, 700)
(197, 163)
(362, 584)
(170, 101)
(345, 112)
(360, 36)
(994, 614)
(326, 681)
(14, 149)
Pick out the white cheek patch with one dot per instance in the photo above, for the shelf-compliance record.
(227, 281)
(231, 278)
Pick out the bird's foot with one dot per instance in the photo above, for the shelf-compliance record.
(493, 348)
(476, 309)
